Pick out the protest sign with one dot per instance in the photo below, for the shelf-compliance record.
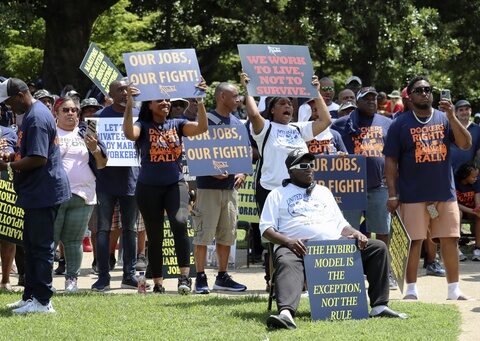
(247, 205)
(221, 150)
(120, 150)
(399, 249)
(346, 177)
(99, 68)
(164, 73)
(170, 264)
(278, 70)
(336, 286)
(11, 216)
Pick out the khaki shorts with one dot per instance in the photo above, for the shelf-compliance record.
(417, 221)
(215, 216)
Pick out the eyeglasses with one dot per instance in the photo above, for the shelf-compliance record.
(303, 166)
(327, 88)
(422, 89)
(67, 110)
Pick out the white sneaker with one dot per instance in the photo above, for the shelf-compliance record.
(461, 256)
(18, 304)
(35, 307)
(71, 285)
(476, 255)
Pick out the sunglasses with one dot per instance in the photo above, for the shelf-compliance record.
(327, 88)
(422, 89)
(67, 110)
(303, 166)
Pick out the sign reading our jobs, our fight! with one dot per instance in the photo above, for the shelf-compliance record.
(98, 67)
(278, 70)
(346, 177)
(164, 73)
(223, 149)
(399, 249)
(120, 151)
(336, 286)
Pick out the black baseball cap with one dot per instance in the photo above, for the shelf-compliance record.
(11, 87)
(296, 155)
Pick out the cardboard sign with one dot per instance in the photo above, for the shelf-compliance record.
(221, 150)
(120, 151)
(247, 205)
(170, 264)
(336, 286)
(278, 70)
(11, 216)
(99, 68)
(346, 177)
(399, 249)
(164, 73)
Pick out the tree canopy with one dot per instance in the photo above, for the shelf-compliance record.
(384, 42)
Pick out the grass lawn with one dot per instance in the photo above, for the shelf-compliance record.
(92, 316)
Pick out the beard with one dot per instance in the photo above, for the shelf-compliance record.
(422, 106)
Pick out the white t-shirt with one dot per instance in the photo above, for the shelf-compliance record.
(305, 111)
(283, 138)
(74, 153)
(291, 212)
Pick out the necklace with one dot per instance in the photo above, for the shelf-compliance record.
(422, 122)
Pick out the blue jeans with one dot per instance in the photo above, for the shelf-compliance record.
(39, 246)
(128, 215)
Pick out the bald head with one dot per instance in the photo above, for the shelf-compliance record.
(226, 98)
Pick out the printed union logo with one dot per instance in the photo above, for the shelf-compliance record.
(274, 50)
(167, 89)
(219, 165)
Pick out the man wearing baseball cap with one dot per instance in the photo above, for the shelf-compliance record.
(45, 97)
(299, 210)
(41, 185)
(463, 111)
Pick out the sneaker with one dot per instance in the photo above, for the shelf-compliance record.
(461, 256)
(113, 261)
(34, 307)
(102, 284)
(392, 283)
(201, 284)
(87, 246)
(435, 269)
(476, 255)
(141, 263)
(71, 285)
(184, 285)
(158, 289)
(228, 284)
(18, 304)
(60, 270)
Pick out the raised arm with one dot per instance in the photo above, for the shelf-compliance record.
(324, 120)
(254, 116)
(201, 126)
(131, 131)
(463, 139)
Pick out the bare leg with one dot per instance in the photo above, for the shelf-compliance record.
(449, 250)
(141, 238)
(7, 254)
(200, 252)
(223, 251)
(413, 260)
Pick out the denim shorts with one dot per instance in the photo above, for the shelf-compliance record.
(376, 214)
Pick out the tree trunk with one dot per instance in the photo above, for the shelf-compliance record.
(68, 29)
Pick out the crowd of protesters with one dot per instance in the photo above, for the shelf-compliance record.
(361, 121)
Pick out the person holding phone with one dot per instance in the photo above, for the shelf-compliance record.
(82, 154)
(420, 179)
(160, 185)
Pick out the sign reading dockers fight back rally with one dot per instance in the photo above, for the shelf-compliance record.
(220, 150)
(336, 286)
(278, 70)
(11, 216)
(346, 177)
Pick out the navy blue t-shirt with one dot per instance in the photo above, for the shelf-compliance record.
(161, 152)
(424, 158)
(363, 135)
(459, 157)
(8, 140)
(209, 182)
(466, 193)
(116, 180)
(47, 185)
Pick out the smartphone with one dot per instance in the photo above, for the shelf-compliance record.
(432, 211)
(445, 94)
(91, 127)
